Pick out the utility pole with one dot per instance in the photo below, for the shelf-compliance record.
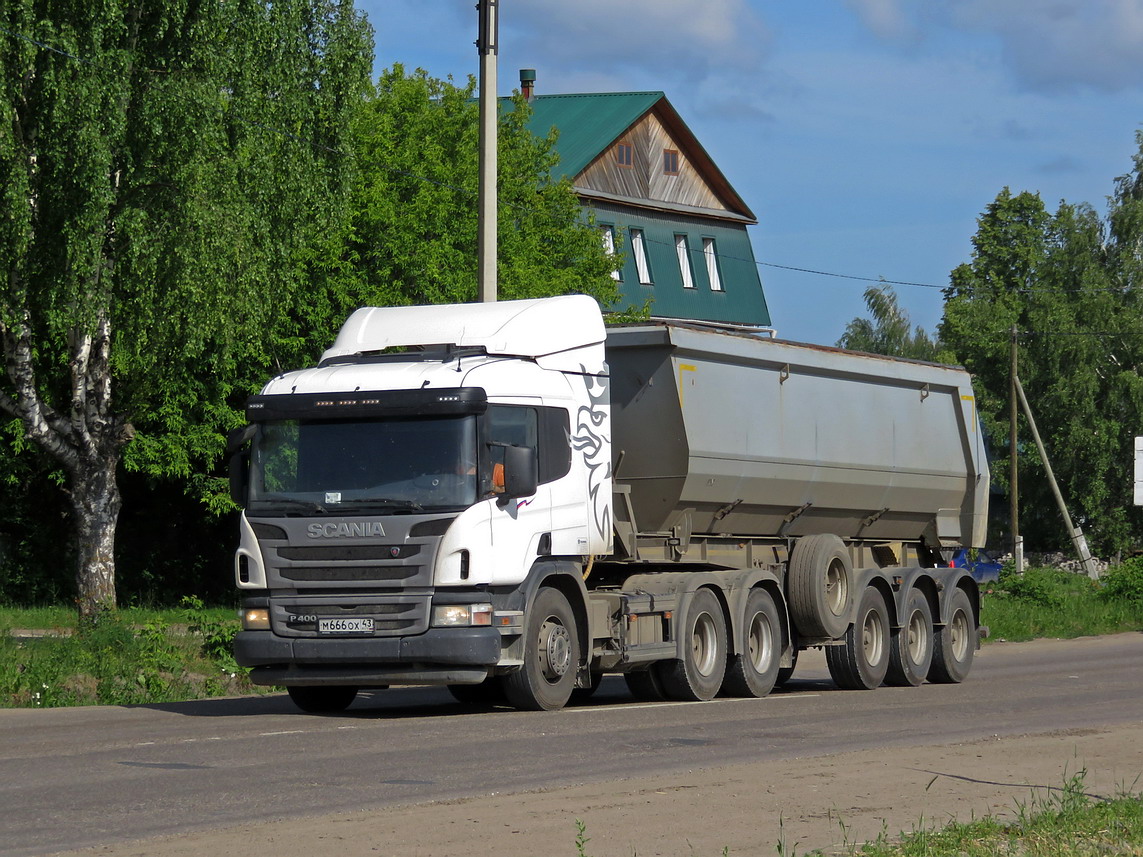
(487, 46)
(1013, 481)
(1074, 532)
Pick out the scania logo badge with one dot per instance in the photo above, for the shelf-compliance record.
(355, 530)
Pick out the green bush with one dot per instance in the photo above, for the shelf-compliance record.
(116, 662)
(1040, 586)
(1125, 582)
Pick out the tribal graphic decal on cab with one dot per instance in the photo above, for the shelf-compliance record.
(588, 437)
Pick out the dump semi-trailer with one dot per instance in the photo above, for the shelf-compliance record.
(511, 500)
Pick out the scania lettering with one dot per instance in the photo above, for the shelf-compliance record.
(343, 530)
(511, 500)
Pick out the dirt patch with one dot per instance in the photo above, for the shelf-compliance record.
(820, 802)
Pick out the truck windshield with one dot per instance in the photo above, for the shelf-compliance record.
(334, 466)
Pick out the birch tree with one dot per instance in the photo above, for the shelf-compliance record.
(164, 168)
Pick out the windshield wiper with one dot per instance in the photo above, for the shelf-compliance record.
(388, 502)
(288, 503)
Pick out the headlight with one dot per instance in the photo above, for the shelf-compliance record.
(453, 615)
(256, 619)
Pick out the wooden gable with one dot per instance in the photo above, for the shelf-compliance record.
(637, 166)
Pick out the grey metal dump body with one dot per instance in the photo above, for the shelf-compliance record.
(767, 438)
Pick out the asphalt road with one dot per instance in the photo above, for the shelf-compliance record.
(71, 778)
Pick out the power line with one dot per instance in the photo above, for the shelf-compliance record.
(45, 46)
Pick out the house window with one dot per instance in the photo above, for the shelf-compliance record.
(625, 154)
(683, 251)
(670, 162)
(711, 254)
(639, 251)
(608, 233)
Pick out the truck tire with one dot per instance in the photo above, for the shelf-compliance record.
(754, 670)
(820, 585)
(698, 675)
(320, 699)
(488, 693)
(645, 685)
(955, 644)
(861, 662)
(551, 655)
(911, 645)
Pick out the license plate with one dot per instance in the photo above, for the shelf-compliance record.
(345, 626)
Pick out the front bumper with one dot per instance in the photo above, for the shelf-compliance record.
(439, 656)
(477, 647)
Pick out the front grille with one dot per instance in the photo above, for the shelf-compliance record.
(342, 553)
(350, 573)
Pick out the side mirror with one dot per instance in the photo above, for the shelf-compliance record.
(239, 461)
(239, 476)
(521, 472)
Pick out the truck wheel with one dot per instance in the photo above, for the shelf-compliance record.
(784, 673)
(754, 670)
(645, 685)
(486, 694)
(698, 675)
(911, 645)
(861, 662)
(820, 586)
(551, 655)
(954, 646)
(319, 699)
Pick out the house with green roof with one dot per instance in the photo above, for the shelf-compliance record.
(660, 201)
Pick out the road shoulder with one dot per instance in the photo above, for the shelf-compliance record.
(818, 802)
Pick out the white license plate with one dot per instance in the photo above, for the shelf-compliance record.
(345, 626)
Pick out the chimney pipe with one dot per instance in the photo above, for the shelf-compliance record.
(527, 83)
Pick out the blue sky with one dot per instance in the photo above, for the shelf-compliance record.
(866, 135)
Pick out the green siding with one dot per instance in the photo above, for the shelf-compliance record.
(741, 301)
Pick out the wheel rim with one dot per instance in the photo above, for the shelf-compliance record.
(873, 638)
(555, 649)
(704, 644)
(918, 645)
(760, 642)
(958, 635)
(837, 588)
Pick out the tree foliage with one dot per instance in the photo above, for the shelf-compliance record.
(888, 329)
(1069, 284)
(414, 225)
(165, 168)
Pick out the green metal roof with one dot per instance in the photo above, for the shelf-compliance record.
(588, 122)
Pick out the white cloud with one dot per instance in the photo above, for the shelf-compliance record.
(1063, 44)
(663, 39)
(1047, 45)
(887, 19)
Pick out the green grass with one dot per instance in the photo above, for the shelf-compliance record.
(1068, 822)
(1046, 602)
(128, 657)
(64, 618)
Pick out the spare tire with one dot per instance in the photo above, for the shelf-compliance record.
(820, 586)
